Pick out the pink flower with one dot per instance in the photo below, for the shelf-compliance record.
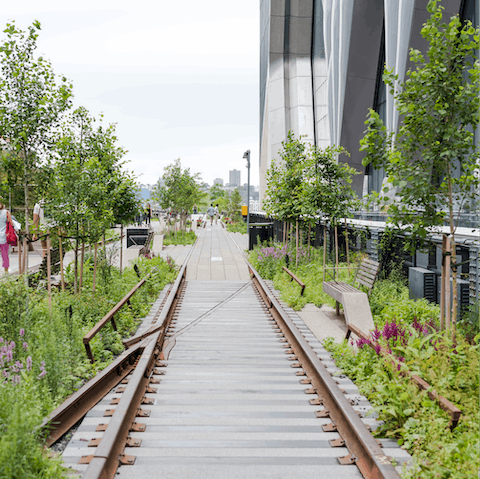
(25, 346)
(29, 363)
(22, 332)
(41, 374)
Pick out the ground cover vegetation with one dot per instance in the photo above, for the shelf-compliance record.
(42, 356)
(410, 330)
(439, 106)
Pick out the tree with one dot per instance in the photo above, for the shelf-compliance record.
(83, 198)
(433, 162)
(328, 189)
(285, 196)
(234, 203)
(32, 101)
(181, 190)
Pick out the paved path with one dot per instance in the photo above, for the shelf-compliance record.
(215, 257)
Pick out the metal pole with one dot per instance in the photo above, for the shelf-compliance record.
(246, 155)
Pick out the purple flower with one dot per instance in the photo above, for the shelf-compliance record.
(11, 345)
(22, 332)
(42, 364)
(9, 356)
(377, 348)
(5, 373)
(41, 374)
(29, 363)
(25, 346)
(1, 339)
(398, 367)
(362, 342)
(376, 334)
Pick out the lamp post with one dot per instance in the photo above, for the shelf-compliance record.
(246, 155)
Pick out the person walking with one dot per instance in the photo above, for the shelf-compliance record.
(216, 213)
(211, 213)
(148, 211)
(5, 217)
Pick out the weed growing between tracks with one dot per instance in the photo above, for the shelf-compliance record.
(48, 361)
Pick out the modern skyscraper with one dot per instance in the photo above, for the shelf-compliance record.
(321, 65)
(235, 177)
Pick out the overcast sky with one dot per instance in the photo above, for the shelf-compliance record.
(180, 78)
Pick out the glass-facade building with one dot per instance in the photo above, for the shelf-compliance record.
(321, 64)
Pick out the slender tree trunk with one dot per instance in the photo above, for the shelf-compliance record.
(121, 249)
(49, 273)
(296, 246)
(309, 233)
(25, 251)
(347, 247)
(442, 287)
(20, 269)
(336, 251)
(448, 251)
(324, 250)
(95, 267)
(75, 268)
(453, 253)
(27, 212)
(60, 247)
(82, 260)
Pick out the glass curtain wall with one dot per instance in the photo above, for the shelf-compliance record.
(376, 176)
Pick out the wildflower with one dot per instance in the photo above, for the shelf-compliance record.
(25, 346)
(362, 342)
(19, 364)
(1, 339)
(9, 356)
(41, 374)
(12, 345)
(5, 373)
(22, 332)
(376, 334)
(29, 363)
(377, 348)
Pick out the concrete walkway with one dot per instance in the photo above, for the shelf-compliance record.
(216, 257)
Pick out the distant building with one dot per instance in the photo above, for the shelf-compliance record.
(218, 181)
(235, 177)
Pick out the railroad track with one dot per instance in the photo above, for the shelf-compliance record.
(222, 382)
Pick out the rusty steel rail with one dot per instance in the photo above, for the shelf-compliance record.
(109, 454)
(110, 317)
(296, 278)
(79, 403)
(453, 411)
(362, 446)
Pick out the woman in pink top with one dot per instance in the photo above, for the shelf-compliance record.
(4, 246)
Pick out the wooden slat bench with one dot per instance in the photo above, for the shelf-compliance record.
(355, 302)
